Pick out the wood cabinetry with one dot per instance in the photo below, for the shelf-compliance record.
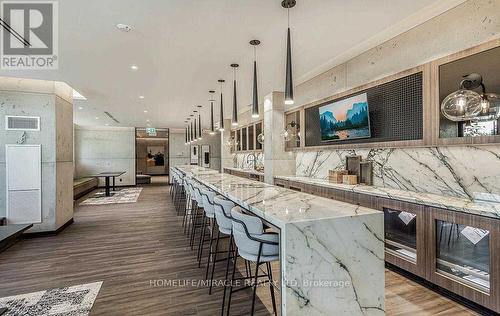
(456, 251)
(463, 253)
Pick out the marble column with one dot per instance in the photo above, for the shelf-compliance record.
(225, 152)
(276, 160)
(53, 103)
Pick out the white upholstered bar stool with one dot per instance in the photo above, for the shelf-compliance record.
(207, 197)
(197, 214)
(256, 246)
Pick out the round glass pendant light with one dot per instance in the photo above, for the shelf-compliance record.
(290, 131)
(260, 138)
(490, 107)
(465, 104)
(461, 105)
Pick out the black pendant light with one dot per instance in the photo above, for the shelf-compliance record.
(234, 120)
(221, 127)
(195, 135)
(287, 4)
(191, 132)
(212, 130)
(255, 100)
(199, 123)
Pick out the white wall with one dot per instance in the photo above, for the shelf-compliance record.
(179, 153)
(100, 149)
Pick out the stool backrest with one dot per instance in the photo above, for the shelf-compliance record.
(197, 193)
(222, 207)
(243, 226)
(207, 196)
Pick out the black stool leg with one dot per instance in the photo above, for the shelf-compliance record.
(256, 279)
(271, 287)
(213, 263)
(231, 286)
(229, 252)
(202, 239)
(210, 247)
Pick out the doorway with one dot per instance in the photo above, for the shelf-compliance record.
(151, 155)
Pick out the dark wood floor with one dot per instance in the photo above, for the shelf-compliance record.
(128, 246)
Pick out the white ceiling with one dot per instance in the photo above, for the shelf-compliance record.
(183, 46)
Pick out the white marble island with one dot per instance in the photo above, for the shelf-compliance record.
(332, 253)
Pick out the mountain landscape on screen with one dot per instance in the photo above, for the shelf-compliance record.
(345, 119)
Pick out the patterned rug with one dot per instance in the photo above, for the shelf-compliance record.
(127, 195)
(68, 301)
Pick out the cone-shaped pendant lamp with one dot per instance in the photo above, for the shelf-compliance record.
(221, 126)
(287, 4)
(255, 100)
(212, 130)
(199, 126)
(195, 136)
(191, 133)
(234, 120)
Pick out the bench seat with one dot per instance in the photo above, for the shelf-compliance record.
(83, 186)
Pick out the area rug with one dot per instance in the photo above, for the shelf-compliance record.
(127, 195)
(67, 301)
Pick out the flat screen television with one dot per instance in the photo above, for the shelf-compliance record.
(345, 119)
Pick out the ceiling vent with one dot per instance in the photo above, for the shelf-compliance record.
(22, 123)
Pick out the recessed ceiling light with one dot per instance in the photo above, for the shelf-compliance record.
(145, 111)
(147, 120)
(141, 97)
(97, 117)
(134, 67)
(107, 124)
(123, 27)
(80, 108)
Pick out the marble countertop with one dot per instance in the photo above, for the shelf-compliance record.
(278, 206)
(249, 171)
(445, 202)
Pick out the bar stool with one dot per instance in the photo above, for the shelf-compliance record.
(191, 205)
(207, 197)
(253, 245)
(196, 215)
(223, 208)
(187, 204)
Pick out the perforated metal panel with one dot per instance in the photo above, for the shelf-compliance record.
(396, 113)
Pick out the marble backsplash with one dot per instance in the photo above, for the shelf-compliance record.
(450, 171)
(241, 160)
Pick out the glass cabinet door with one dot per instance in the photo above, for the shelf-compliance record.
(401, 233)
(463, 254)
(244, 138)
(251, 137)
(404, 229)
